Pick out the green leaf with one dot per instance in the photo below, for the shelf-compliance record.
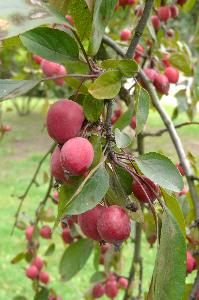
(92, 108)
(161, 170)
(103, 11)
(52, 44)
(98, 277)
(122, 139)
(74, 258)
(19, 298)
(18, 16)
(142, 110)
(188, 6)
(82, 17)
(125, 118)
(170, 270)
(127, 67)
(97, 146)
(106, 86)
(13, 88)
(173, 205)
(125, 179)
(60, 5)
(91, 194)
(50, 250)
(182, 62)
(42, 294)
(18, 258)
(151, 30)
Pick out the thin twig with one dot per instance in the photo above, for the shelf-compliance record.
(139, 28)
(84, 76)
(33, 181)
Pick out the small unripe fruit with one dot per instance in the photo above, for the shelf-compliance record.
(77, 155)
(172, 74)
(150, 73)
(164, 13)
(180, 169)
(111, 289)
(56, 167)
(38, 263)
(161, 83)
(37, 59)
(133, 122)
(174, 11)
(44, 277)
(64, 120)
(29, 232)
(66, 236)
(191, 262)
(123, 283)
(98, 290)
(125, 34)
(181, 2)
(155, 22)
(170, 32)
(46, 232)
(138, 188)
(32, 272)
(114, 224)
(88, 222)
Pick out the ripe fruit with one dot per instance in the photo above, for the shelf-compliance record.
(114, 224)
(88, 222)
(152, 239)
(46, 232)
(70, 20)
(133, 122)
(44, 277)
(56, 167)
(174, 11)
(98, 290)
(164, 13)
(155, 22)
(191, 262)
(66, 236)
(161, 83)
(138, 53)
(61, 72)
(125, 34)
(150, 73)
(138, 188)
(131, 2)
(181, 2)
(123, 283)
(64, 120)
(38, 263)
(29, 232)
(111, 289)
(77, 155)
(51, 68)
(165, 60)
(37, 59)
(32, 272)
(172, 74)
(180, 169)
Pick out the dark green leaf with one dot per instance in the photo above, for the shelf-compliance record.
(14, 88)
(97, 146)
(18, 258)
(103, 11)
(106, 86)
(142, 110)
(127, 67)
(170, 270)
(161, 170)
(50, 250)
(97, 277)
(187, 7)
(42, 294)
(52, 44)
(96, 257)
(91, 194)
(19, 298)
(125, 118)
(18, 16)
(92, 108)
(74, 258)
(122, 139)
(182, 62)
(60, 5)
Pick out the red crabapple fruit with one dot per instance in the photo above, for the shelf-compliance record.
(123, 283)
(29, 232)
(161, 83)
(66, 236)
(37, 59)
(114, 224)
(38, 262)
(155, 22)
(138, 188)
(44, 277)
(111, 289)
(133, 122)
(125, 34)
(174, 11)
(191, 262)
(64, 120)
(77, 155)
(164, 13)
(150, 73)
(56, 167)
(32, 272)
(172, 74)
(46, 232)
(98, 290)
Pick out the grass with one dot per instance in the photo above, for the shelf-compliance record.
(20, 151)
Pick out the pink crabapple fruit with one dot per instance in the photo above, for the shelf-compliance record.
(138, 188)
(32, 272)
(46, 232)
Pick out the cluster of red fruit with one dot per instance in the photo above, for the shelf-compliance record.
(51, 69)
(110, 287)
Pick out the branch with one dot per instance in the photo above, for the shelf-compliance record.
(108, 124)
(139, 28)
(84, 76)
(162, 131)
(33, 181)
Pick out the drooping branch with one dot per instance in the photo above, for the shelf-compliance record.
(32, 181)
(139, 29)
